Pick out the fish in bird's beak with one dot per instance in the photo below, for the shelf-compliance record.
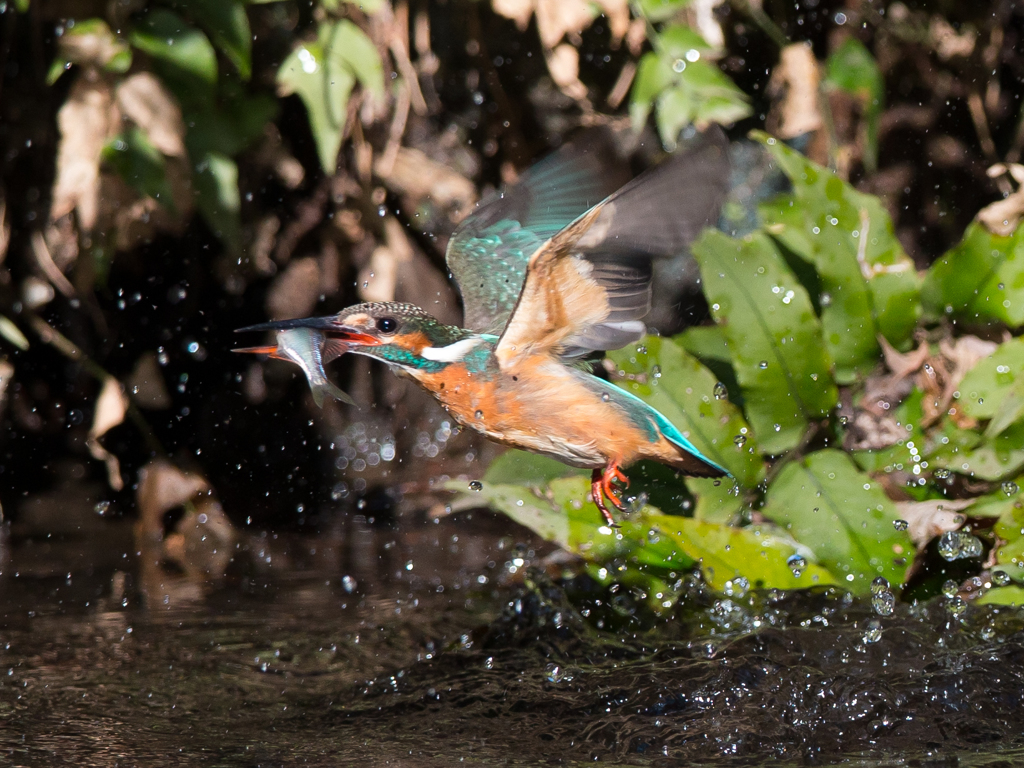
(304, 343)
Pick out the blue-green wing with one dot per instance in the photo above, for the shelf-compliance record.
(490, 250)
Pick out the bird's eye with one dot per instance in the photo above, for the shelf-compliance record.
(387, 325)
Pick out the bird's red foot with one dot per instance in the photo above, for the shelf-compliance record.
(602, 487)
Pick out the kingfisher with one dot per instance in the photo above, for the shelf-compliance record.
(550, 270)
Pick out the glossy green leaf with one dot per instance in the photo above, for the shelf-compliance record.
(323, 74)
(980, 278)
(216, 187)
(994, 388)
(853, 69)
(869, 286)
(515, 467)
(1010, 529)
(1011, 595)
(666, 377)
(825, 502)
(227, 25)
(653, 75)
(139, 163)
(718, 500)
(186, 52)
(726, 552)
(706, 342)
(775, 338)
(675, 41)
(994, 459)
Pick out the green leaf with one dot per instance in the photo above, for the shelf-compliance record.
(706, 342)
(515, 467)
(725, 553)
(324, 73)
(994, 459)
(717, 500)
(778, 354)
(677, 40)
(139, 163)
(228, 27)
(216, 188)
(653, 75)
(13, 334)
(853, 69)
(843, 516)
(1010, 555)
(89, 42)
(994, 388)
(980, 278)
(1011, 595)
(189, 60)
(662, 10)
(869, 285)
(673, 382)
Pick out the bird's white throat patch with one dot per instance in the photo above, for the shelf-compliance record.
(453, 352)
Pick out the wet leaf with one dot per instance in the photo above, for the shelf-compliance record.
(725, 552)
(826, 503)
(779, 357)
(717, 500)
(140, 164)
(189, 59)
(994, 388)
(673, 382)
(228, 26)
(868, 284)
(1010, 555)
(993, 459)
(980, 278)
(217, 198)
(1011, 595)
(852, 68)
(111, 407)
(706, 342)
(144, 100)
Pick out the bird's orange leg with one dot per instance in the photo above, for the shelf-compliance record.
(601, 488)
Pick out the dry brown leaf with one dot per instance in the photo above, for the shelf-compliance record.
(144, 100)
(5, 230)
(558, 18)
(162, 487)
(617, 12)
(928, 519)
(1003, 216)
(111, 407)
(92, 49)
(86, 121)
(295, 291)
(379, 278)
(706, 22)
(869, 431)
(564, 66)
(36, 293)
(948, 44)
(146, 383)
(517, 10)
(903, 364)
(793, 87)
(416, 175)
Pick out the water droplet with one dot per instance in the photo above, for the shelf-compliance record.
(1010, 488)
(883, 603)
(656, 372)
(763, 364)
(880, 584)
(678, 66)
(900, 525)
(641, 350)
(844, 420)
(957, 607)
(873, 631)
(1000, 578)
(737, 587)
(554, 673)
(740, 439)
(717, 483)
(606, 397)
(777, 427)
(958, 545)
(476, 485)
(721, 392)
(796, 564)
(479, 414)
(942, 474)
(949, 588)
(348, 584)
(101, 508)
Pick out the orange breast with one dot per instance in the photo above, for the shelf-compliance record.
(542, 406)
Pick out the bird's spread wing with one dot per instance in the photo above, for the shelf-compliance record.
(588, 287)
(490, 250)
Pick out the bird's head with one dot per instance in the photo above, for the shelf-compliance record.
(400, 334)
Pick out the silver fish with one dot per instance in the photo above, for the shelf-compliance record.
(309, 349)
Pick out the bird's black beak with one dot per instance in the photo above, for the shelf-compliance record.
(320, 323)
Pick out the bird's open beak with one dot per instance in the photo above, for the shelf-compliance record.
(329, 326)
